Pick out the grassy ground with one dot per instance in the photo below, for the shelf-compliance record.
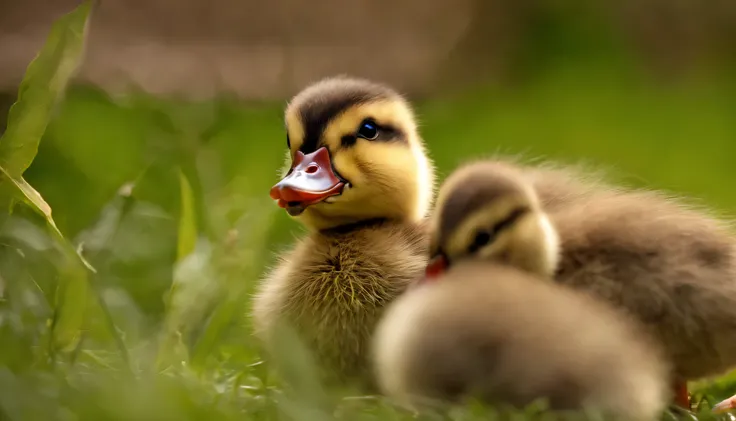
(180, 320)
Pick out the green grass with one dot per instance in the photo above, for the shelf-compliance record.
(169, 203)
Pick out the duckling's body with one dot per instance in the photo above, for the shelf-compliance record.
(491, 331)
(334, 286)
(359, 180)
(670, 266)
(673, 268)
(494, 326)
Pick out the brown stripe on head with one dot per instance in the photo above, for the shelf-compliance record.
(475, 187)
(317, 105)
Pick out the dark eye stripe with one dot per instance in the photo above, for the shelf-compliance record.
(386, 133)
(348, 140)
(510, 219)
(317, 115)
(481, 239)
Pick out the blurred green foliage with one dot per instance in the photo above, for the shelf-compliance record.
(168, 201)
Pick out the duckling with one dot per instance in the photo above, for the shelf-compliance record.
(491, 331)
(360, 181)
(670, 266)
(498, 329)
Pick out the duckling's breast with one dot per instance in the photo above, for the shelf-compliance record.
(337, 286)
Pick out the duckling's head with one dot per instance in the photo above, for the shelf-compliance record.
(487, 211)
(355, 155)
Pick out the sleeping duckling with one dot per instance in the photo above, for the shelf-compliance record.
(669, 266)
(459, 227)
(361, 182)
(498, 330)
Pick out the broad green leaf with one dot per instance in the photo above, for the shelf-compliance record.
(187, 220)
(43, 84)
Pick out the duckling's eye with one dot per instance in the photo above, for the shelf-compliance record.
(482, 238)
(368, 130)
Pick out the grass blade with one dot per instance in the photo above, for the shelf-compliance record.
(72, 295)
(24, 192)
(192, 287)
(187, 221)
(43, 85)
(72, 290)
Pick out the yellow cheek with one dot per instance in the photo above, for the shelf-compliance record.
(455, 245)
(392, 162)
(345, 164)
(394, 159)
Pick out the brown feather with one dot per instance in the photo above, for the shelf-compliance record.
(668, 263)
(334, 287)
(503, 335)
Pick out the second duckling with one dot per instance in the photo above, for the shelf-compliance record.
(497, 330)
(669, 266)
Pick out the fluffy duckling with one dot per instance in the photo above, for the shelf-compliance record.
(360, 181)
(668, 265)
(498, 330)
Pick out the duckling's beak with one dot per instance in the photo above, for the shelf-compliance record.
(436, 266)
(310, 180)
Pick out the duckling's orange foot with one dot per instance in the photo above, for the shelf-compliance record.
(726, 405)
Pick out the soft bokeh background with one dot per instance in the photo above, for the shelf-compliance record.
(194, 90)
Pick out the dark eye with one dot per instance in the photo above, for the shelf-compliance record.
(288, 141)
(368, 130)
(482, 238)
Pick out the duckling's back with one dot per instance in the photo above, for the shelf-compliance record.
(333, 287)
(508, 337)
(668, 263)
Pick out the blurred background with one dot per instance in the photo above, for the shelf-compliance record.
(194, 90)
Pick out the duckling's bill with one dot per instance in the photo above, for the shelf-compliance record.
(311, 180)
(436, 267)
